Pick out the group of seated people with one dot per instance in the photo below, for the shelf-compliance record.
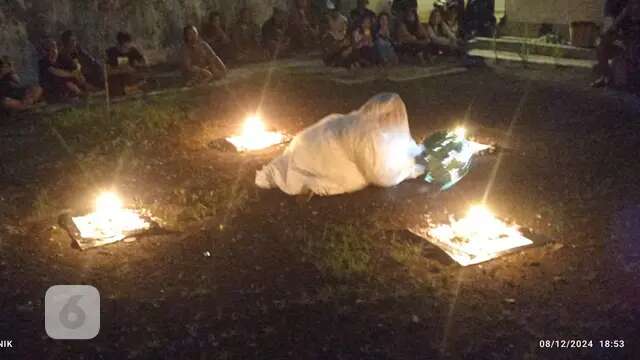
(67, 72)
(367, 39)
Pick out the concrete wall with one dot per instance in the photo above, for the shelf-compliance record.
(560, 12)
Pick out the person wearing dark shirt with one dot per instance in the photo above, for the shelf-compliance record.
(58, 84)
(126, 66)
(384, 41)
(364, 42)
(361, 11)
(303, 30)
(200, 63)
(400, 7)
(337, 49)
(412, 38)
(215, 34)
(615, 24)
(479, 18)
(274, 34)
(244, 34)
(73, 56)
(14, 96)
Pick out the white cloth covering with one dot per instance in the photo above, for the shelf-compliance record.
(346, 153)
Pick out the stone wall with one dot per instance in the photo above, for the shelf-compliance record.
(558, 12)
(156, 24)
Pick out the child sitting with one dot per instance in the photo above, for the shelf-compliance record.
(363, 42)
(14, 96)
(384, 43)
(126, 65)
(336, 45)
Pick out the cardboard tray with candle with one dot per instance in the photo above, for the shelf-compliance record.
(109, 223)
(477, 237)
(253, 137)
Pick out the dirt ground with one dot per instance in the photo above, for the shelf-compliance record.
(258, 274)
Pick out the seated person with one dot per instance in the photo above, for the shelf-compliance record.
(72, 56)
(302, 31)
(59, 84)
(356, 15)
(443, 40)
(200, 63)
(336, 45)
(615, 30)
(384, 42)
(14, 96)
(126, 66)
(216, 35)
(625, 68)
(400, 7)
(479, 18)
(451, 14)
(274, 34)
(363, 42)
(412, 38)
(245, 34)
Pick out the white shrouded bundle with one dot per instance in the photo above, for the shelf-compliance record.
(346, 153)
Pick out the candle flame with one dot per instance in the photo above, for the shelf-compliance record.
(255, 136)
(111, 220)
(461, 132)
(108, 204)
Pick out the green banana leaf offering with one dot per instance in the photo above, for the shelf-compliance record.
(448, 157)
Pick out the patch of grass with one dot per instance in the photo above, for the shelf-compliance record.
(43, 205)
(200, 204)
(133, 123)
(405, 253)
(343, 252)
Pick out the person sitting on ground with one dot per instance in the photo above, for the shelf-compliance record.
(245, 34)
(412, 38)
(480, 18)
(59, 84)
(615, 30)
(384, 42)
(200, 63)
(626, 66)
(361, 11)
(451, 14)
(302, 31)
(126, 67)
(400, 7)
(73, 56)
(363, 42)
(274, 34)
(443, 40)
(215, 34)
(14, 96)
(336, 45)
